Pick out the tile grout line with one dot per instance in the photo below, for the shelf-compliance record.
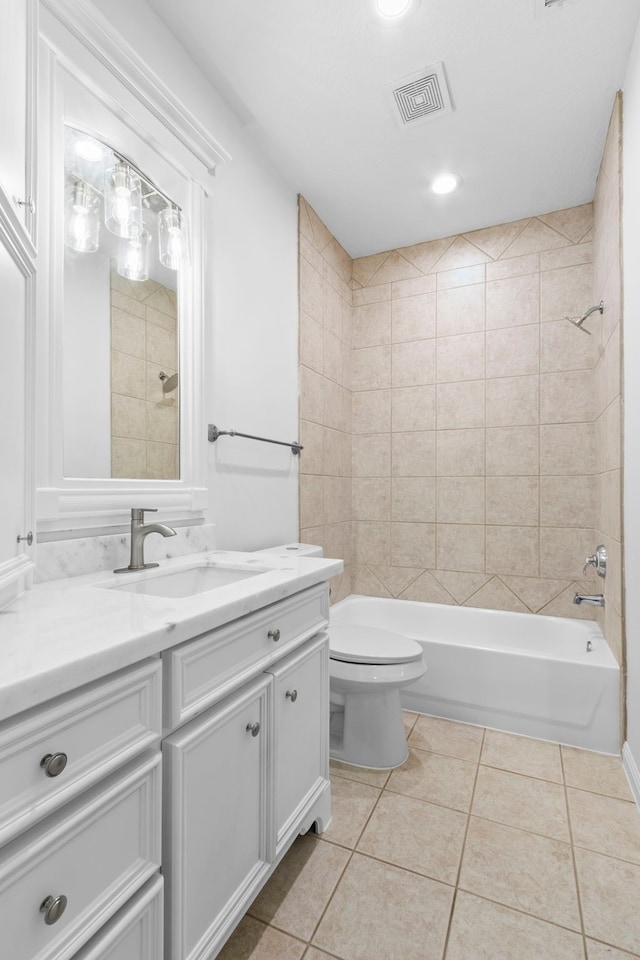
(342, 873)
(464, 844)
(573, 856)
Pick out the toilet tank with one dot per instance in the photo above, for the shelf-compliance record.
(294, 550)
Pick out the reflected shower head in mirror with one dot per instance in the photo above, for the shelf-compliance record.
(169, 383)
(578, 321)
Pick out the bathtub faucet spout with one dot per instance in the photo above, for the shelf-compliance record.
(593, 599)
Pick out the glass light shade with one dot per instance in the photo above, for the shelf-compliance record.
(133, 256)
(123, 201)
(82, 222)
(173, 238)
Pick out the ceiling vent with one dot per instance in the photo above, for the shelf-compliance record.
(421, 96)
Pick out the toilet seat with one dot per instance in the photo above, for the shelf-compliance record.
(368, 645)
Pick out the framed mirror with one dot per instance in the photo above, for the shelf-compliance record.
(126, 246)
(123, 174)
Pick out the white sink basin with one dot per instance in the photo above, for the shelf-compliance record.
(189, 582)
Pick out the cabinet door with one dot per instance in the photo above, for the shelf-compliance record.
(301, 711)
(17, 92)
(216, 820)
(15, 287)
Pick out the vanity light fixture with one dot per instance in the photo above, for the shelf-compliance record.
(392, 9)
(122, 201)
(126, 193)
(446, 183)
(83, 223)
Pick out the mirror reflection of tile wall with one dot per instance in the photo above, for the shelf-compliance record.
(144, 344)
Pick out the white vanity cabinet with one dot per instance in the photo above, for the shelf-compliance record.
(80, 812)
(247, 774)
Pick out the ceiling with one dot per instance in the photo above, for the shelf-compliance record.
(532, 89)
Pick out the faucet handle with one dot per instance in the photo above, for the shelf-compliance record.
(137, 513)
(598, 561)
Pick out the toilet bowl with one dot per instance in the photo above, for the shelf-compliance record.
(367, 669)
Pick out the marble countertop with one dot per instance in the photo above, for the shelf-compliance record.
(65, 633)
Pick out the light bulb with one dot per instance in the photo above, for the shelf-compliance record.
(133, 257)
(82, 223)
(172, 237)
(123, 201)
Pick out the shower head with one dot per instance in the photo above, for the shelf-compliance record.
(169, 383)
(578, 321)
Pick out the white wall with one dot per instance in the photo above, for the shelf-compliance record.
(631, 299)
(251, 377)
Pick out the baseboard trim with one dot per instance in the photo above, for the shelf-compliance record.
(632, 771)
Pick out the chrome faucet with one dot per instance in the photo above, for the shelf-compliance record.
(139, 532)
(592, 599)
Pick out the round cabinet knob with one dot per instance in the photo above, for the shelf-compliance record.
(53, 908)
(253, 729)
(54, 763)
(292, 695)
(274, 635)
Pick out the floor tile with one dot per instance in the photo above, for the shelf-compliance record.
(524, 802)
(600, 951)
(252, 940)
(605, 825)
(352, 803)
(610, 896)
(452, 739)
(596, 772)
(532, 758)
(429, 776)
(379, 911)
(409, 720)
(296, 894)
(487, 931)
(416, 835)
(375, 778)
(313, 954)
(521, 870)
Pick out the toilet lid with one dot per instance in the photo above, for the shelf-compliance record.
(368, 645)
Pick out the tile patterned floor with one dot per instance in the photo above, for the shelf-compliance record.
(483, 846)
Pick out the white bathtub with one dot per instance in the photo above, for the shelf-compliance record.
(510, 671)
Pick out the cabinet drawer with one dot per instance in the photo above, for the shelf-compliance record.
(97, 852)
(206, 669)
(98, 729)
(135, 933)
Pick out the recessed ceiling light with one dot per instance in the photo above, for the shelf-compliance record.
(89, 149)
(446, 183)
(392, 8)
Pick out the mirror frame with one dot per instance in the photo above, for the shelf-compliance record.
(78, 45)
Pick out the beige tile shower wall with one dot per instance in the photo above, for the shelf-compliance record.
(607, 413)
(325, 394)
(144, 343)
(473, 409)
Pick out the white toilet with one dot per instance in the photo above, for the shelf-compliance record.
(368, 668)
